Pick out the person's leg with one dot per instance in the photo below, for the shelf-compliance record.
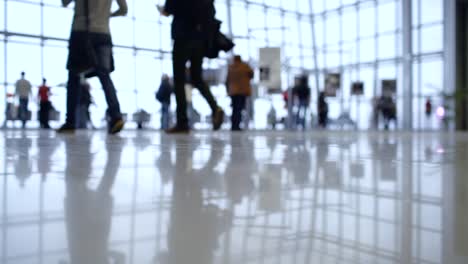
(196, 60)
(303, 114)
(41, 114)
(110, 94)
(179, 60)
(48, 107)
(196, 71)
(236, 113)
(24, 109)
(73, 97)
(165, 116)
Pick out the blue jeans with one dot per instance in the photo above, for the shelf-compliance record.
(165, 117)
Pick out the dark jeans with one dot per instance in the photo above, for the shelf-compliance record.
(44, 114)
(184, 51)
(23, 110)
(238, 105)
(102, 71)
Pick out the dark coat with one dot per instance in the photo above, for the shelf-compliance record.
(190, 18)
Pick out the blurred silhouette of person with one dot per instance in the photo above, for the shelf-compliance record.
(44, 104)
(84, 105)
(301, 92)
(23, 90)
(88, 211)
(238, 87)
(387, 107)
(90, 54)
(297, 161)
(272, 117)
(428, 108)
(163, 95)
(322, 110)
(195, 226)
(189, 30)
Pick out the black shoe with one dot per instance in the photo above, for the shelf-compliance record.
(116, 126)
(66, 129)
(178, 130)
(218, 118)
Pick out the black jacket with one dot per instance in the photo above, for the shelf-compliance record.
(190, 17)
(163, 95)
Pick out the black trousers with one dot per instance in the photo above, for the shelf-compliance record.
(44, 114)
(238, 105)
(192, 51)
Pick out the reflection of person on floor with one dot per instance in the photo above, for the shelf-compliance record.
(23, 92)
(89, 212)
(195, 226)
(23, 163)
(239, 182)
(44, 156)
(44, 104)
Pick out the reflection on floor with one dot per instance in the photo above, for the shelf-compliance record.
(233, 198)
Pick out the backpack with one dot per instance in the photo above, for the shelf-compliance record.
(164, 93)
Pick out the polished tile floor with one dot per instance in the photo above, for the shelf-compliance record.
(257, 197)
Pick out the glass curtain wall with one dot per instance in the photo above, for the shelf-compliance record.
(362, 40)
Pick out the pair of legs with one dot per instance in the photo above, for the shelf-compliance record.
(189, 51)
(301, 113)
(23, 110)
(74, 93)
(165, 118)
(238, 105)
(323, 119)
(44, 114)
(103, 66)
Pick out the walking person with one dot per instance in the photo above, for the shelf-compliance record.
(23, 90)
(90, 54)
(44, 104)
(163, 95)
(322, 110)
(238, 86)
(189, 32)
(301, 92)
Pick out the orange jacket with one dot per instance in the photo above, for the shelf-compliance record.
(238, 80)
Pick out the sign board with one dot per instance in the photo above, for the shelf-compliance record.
(332, 84)
(389, 87)
(357, 88)
(270, 69)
